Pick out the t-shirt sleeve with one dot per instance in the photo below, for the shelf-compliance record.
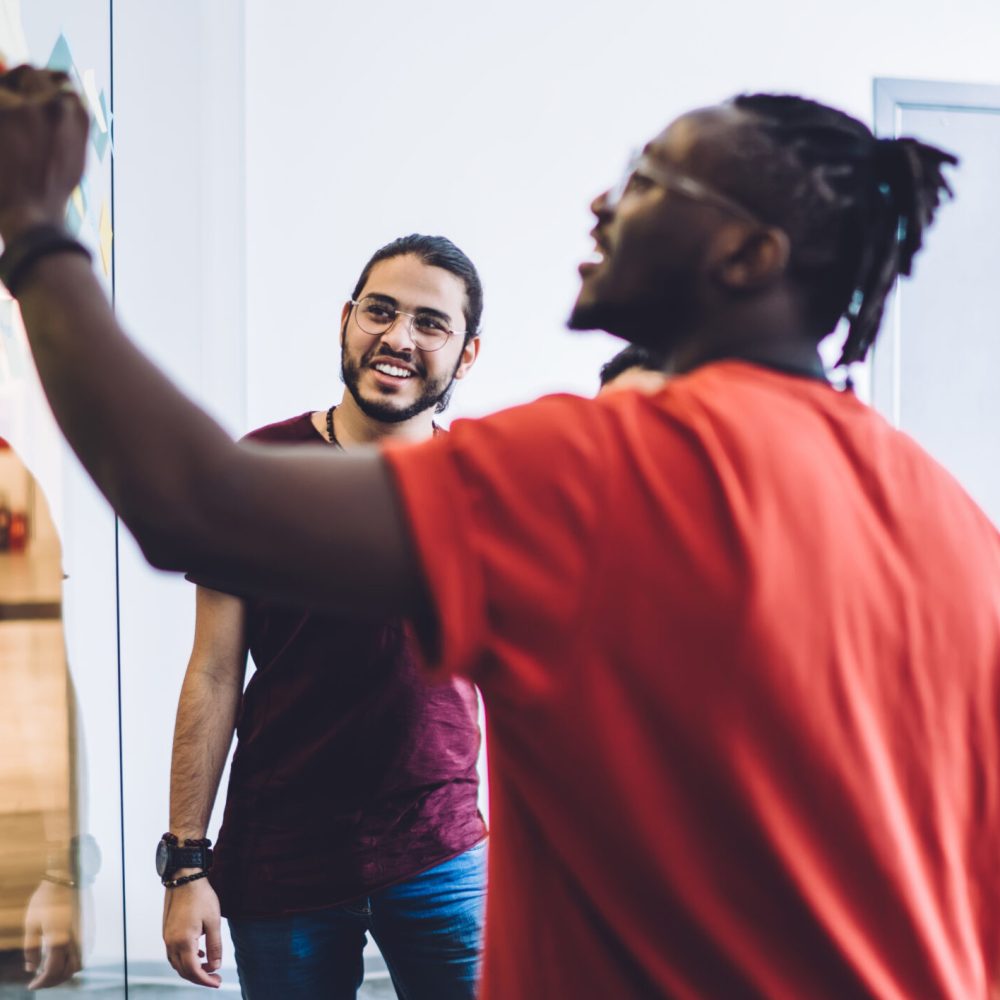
(502, 512)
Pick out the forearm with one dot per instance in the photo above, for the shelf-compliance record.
(142, 441)
(206, 719)
(252, 519)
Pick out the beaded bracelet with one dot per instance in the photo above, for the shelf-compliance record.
(173, 841)
(173, 883)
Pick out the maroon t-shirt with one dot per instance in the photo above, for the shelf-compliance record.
(352, 770)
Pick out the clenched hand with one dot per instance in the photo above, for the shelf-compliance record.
(44, 128)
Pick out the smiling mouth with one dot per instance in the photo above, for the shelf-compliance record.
(598, 256)
(393, 371)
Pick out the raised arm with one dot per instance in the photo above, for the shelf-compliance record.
(257, 520)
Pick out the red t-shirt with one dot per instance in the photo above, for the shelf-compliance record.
(739, 643)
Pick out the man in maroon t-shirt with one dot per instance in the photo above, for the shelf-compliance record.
(352, 803)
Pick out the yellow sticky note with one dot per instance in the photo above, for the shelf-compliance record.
(107, 236)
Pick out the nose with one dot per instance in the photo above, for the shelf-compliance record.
(602, 206)
(399, 336)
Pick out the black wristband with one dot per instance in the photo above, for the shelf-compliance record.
(173, 883)
(26, 250)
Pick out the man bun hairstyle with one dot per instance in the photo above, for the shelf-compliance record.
(435, 251)
(855, 207)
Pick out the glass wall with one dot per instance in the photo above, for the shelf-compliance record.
(61, 884)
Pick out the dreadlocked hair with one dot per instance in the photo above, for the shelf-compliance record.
(855, 208)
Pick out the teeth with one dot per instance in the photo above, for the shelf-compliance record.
(596, 256)
(388, 369)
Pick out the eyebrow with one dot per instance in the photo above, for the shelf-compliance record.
(424, 310)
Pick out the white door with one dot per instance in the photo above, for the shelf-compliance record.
(936, 367)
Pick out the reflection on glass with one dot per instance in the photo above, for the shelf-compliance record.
(41, 877)
(50, 517)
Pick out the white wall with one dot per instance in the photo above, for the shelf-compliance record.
(179, 200)
(493, 124)
(496, 124)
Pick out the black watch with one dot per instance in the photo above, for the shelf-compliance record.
(171, 856)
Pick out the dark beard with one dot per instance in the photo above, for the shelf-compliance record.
(435, 395)
(655, 323)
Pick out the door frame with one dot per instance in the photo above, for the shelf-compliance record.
(890, 96)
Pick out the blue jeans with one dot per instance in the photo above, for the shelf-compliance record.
(428, 928)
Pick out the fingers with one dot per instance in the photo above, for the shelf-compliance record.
(213, 946)
(52, 88)
(32, 947)
(61, 963)
(184, 958)
(29, 80)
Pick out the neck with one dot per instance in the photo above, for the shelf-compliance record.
(770, 335)
(353, 427)
(799, 355)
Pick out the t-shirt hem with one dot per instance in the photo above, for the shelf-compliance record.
(288, 911)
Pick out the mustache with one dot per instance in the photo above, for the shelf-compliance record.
(381, 351)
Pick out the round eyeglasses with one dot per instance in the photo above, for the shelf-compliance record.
(428, 330)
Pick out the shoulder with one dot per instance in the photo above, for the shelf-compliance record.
(298, 428)
(515, 434)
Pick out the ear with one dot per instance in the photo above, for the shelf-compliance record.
(469, 354)
(745, 260)
(344, 313)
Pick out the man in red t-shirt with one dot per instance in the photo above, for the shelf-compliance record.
(353, 796)
(739, 639)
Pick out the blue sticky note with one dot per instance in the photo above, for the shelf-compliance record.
(61, 59)
(99, 140)
(74, 221)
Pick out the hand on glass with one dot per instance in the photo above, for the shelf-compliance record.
(44, 128)
(52, 935)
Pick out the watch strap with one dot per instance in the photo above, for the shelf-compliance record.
(172, 855)
(189, 857)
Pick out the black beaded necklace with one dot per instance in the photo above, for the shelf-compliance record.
(333, 437)
(329, 427)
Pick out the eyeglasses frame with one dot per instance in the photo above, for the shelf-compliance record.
(643, 165)
(402, 312)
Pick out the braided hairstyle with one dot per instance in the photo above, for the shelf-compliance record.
(854, 207)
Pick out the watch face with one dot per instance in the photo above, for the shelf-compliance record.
(86, 858)
(162, 858)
